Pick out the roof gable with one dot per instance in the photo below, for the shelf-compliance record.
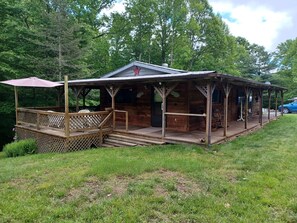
(138, 68)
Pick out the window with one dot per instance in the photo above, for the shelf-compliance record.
(126, 96)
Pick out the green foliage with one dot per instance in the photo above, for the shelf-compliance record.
(20, 148)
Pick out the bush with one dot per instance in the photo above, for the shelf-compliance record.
(20, 148)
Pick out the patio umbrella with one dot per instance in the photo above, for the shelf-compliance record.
(28, 82)
(31, 82)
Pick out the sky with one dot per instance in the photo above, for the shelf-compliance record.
(264, 22)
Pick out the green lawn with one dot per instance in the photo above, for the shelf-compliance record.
(251, 179)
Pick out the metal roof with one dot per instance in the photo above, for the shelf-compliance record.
(161, 69)
(175, 77)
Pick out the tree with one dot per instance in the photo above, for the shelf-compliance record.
(59, 42)
(286, 59)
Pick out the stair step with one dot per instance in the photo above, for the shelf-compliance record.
(116, 141)
(133, 141)
(137, 139)
(107, 145)
(112, 144)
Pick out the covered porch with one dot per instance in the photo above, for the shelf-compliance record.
(196, 107)
(235, 129)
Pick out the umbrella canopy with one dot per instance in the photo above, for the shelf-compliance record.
(31, 82)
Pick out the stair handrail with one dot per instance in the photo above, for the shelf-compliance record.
(105, 120)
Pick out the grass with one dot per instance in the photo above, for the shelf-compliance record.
(251, 179)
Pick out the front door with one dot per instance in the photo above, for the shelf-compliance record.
(156, 109)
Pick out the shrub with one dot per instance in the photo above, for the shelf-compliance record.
(20, 148)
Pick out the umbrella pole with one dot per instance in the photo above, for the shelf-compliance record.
(66, 106)
(16, 104)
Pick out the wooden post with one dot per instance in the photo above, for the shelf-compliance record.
(164, 92)
(261, 107)
(208, 114)
(84, 97)
(16, 100)
(282, 101)
(246, 107)
(38, 121)
(269, 104)
(66, 120)
(275, 112)
(163, 110)
(227, 89)
(113, 92)
(101, 136)
(127, 121)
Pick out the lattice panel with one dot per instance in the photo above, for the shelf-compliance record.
(86, 121)
(43, 120)
(47, 143)
(50, 143)
(55, 120)
(83, 142)
(28, 117)
(25, 134)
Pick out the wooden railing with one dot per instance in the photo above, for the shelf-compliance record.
(185, 114)
(40, 119)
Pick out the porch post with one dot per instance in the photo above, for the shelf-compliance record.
(227, 89)
(246, 107)
(209, 114)
(163, 110)
(113, 92)
(261, 107)
(16, 100)
(67, 132)
(275, 111)
(282, 101)
(164, 91)
(269, 104)
(77, 92)
(84, 97)
(84, 94)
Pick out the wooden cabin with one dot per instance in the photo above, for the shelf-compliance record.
(168, 105)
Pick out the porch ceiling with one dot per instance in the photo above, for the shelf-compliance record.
(199, 77)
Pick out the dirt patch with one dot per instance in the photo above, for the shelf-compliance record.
(171, 181)
(19, 183)
(164, 183)
(95, 188)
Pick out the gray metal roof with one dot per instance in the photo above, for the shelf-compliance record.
(161, 69)
(194, 76)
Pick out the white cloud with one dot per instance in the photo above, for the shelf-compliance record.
(119, 7)
(258, 24)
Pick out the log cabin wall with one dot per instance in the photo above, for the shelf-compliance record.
(185, 98)
(197, 105)
(134, 99)
(177, 101)
(255, 104)
(234, 104)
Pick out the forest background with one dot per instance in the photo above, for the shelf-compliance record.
(53, 38)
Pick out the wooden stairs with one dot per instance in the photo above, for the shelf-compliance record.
(128, 140)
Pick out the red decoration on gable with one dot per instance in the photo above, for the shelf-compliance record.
(136, 70)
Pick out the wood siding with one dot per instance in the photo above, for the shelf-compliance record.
(185, 98)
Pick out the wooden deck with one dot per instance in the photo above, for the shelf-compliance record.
(89, 130)
(235, 128)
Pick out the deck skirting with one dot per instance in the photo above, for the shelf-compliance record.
(52, 143)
